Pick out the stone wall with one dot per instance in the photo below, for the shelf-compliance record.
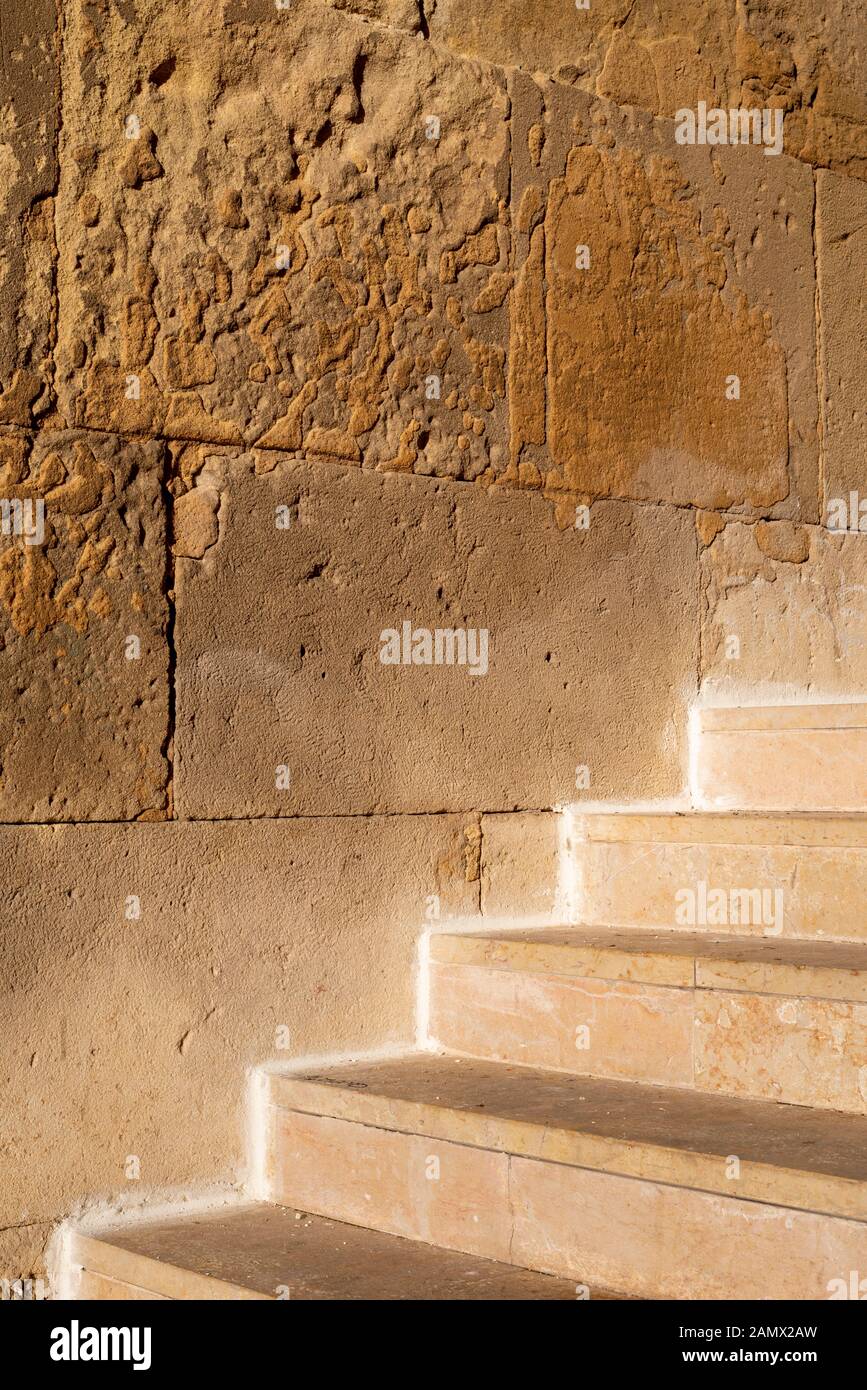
(324, 319)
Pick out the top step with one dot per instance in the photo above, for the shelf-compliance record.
(782, 758)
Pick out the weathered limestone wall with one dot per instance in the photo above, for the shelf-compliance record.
(322, 319)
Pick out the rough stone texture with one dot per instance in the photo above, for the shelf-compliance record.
(841, 254)
(282, 256)
(131, 1036)
(21, 1253)
(520, 864)
(809, 61)
(700, 269)
(84, 726)
(801, 623)
(28, 175)
(293, 677)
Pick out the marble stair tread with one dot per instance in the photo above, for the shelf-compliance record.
(264, 1251)
(679, 957)
(817, 830)
(788, 1154)
(766, 718)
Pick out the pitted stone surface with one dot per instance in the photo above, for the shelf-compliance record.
(808, 61)
(29, 68)
(281, 254)
(83, 615)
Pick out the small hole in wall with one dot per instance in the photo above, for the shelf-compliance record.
(163, 71)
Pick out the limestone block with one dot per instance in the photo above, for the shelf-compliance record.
(807, 61)
(520, 864)
(28, 176)
(664, 302)
(780, 624)
(284, 706)
(127, 1037)
(301, 237)
(427, 1146)
(83, 614)
(780, 1020)
(841, 253)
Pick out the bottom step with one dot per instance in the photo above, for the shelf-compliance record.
(263, 1251)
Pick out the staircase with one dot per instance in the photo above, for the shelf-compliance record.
(667, 1100)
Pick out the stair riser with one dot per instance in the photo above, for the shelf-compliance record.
(98, 1268)
(783, 770)
(822, 891)
(641, 1237)
(770, 1047)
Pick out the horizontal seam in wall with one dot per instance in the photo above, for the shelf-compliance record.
(275, 820)
(360, 466)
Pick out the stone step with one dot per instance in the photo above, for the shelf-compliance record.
(782, 758)
(656, 1191)
(755, 1016)
(789, 876)
(262, 1251)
